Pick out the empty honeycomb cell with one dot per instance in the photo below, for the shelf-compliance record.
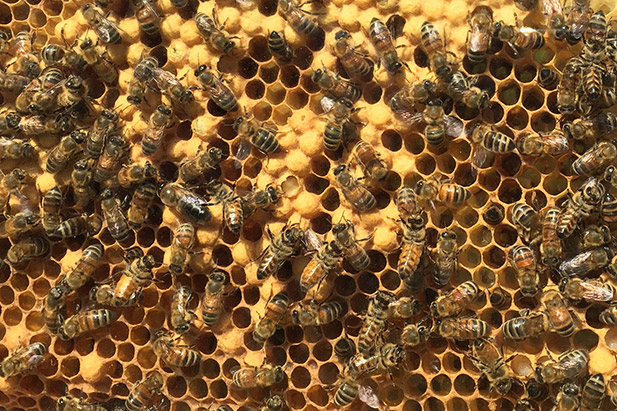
(469, 257)
(21, 11)
(19, 282)
(509, 93)
(251, 295)
(155, 318)
(34, 321)
(198, 388)
(500, 68)
(295, 399)
(358, 303)
(26, 402)
(303, 58)
(146, 358)
(494, 257)
(247, 68)
(299, 353)
(431, 364)
(529, 178)
(255, 89)
(391, 140)
(106, 348)
(416, 385)
(525, 73)
(551, 103)
(300, 377)
(140, 335)
(52, 7)
(126, 352)
(505, 235)
(412, 405)
(508, 164)
(467, 217)
(533, 98)
(489, 179)
(322, 223)
(542, 122)
(546, 165)
(134, 315)
(543, 55)
(308, 84)
(176, 386)
(517, 118)
(451, 363)
(586, 339)
(372, 92)
(7, 296)
(290, 76)
(69, 367)
(258, 48)
(32, 384)
(12, 316)
(297, 99)
(441, 384)
(555, 184)
(145, 237)
(464, 385)
(368, 283)
(322, 351)
(84, 345)
(38, 18)
(509, 191)
(446, 163)
(493, 113)
(443, 217)
(492, 317)
(481, 236)
(414, 143)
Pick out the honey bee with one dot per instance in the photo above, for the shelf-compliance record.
(211, 31)
(117, 224)
(143, 392)
(344, 348)
(37, 125)
(159, 121)
(523, 261)
(610, 176)
(85, 321)
(609, 315)
(593, 290)
(374, 321)
(51, 205)
(320, 265)
(580, 206)
(134, 173)
(184, 241)
(53, 305)
(335, 86)
(170, 85)
(433, 46)
(83, 269)
(609, 208)
(19, 224)
(404, 307)
(60, 155)
(23, 360)
(437, 124)
(26, 62)
(314, 314)
(569, 365)
(550, 247)
(593, 393)
(127, 291)
(480, 23)
(500, 299)
(279, 47)
(486, 138)
(212, 304)
(403, 101)
(262, 138)
(337, 117)
(81, 178)
(414, 239)
(405, 201)
(356, 193)
(13, 83)
(567, 94)
(165, 347)
(356, 66)
(446, 258)
(595, 159)
(189, 204)
(595, 236)
(84, 224)
(568, 397)
(595, 31)
(27, 249)
(527, 325)
(456, 300)
(536, 390)
(181, 317)
(103, 126)
(414, 335)
(384, 45)
(98, 60)
(233, 213)
(487, 358)
(260, 200)
(430, 190)
(108, 162)
(602, 124)
(214, 86)
(559, 318)
(297, 18)
(274, 403)
(282, 246)
(518, 37)
(463, 328)
(592, 80)
(548, 78)
(72, 91)
(275, 310)
(70, 403)
(264, 376)
(142, 75)
(9, 125)
(142, 198)
(11, 184)
(345, 239)
(582, 263)
(193, 168)
(535, 144)
(147, 17)
(462, 88)
(106, 30)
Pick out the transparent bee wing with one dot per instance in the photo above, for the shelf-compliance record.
(480, 156)
(327, 103)
(245, 3)
(244, 149)
(550, 7)
(595, 292)
(34, 361)
(103, 33)
(368, 396)
(453, 126)
(311, 240)
(412, 119)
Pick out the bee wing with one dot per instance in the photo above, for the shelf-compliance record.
(480, 156)
(550, 7)
(244, 149)
(595, 292)
(327, 104)
(412, 119)
(103, 32)
(368, 396)
(34, 361)
(454, 126)
(311, 240)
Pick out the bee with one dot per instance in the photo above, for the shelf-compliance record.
(53, 54)
(346, 241)
(193, 168)
(117, 224)
(107, 163)
(338, 116)
(567, 90)
(260, 200)
(455, 301)
(586, 261)
(569, 365)
(333, 85)
(214, 86)
(83, 269)
(356, 193)
(487, 358)
(595, 159)
(264, 139)
(437, 124)
(282, 246)
(170, 85)
(602, 124)
(274, 403)
(11, 184)
(548, 78)
(99, 61)
(580, 206)
(462, 88)
(593, 393)
(51, 205)
(429, 190)
(211, 31)
(148, 19)
(414, 335)
(275, 310)
(523, 261)
(159, 121)
(142, 198)
(314, 314)
(13, 83)
(86, 321)
(72, 91)
(433, 46)
(297, 18)
(609, 209)
(559, 318)
(81, 178)
(106, 30)
(189, 204)
(445, 257)
(344, 348)
(403, 101)
(486, 138)
(19, 224)
(596, 236)
(37, 125)
(127, 290)
(463, 328)
(384, 45)
(233, 213)
(594, 290)
(414, 239)
(166, 349)
(27, 249)
(550, 247)
(609, 315)
(23, 360)
(279, 47)
(354, 63)
(212, 304)
(527, 325)
(88, 225)
(535, 144)
(103, 126)
(9, 125)
(404, 307)
(480, 22)
(521, 37)
(70, 403)
(592, 80)
(60, 155)
(320, 265)
(500, 299)
(184, 241)
(610, 175)
(181, 317)
(135, 173)
(53, 305)
(568, 397)
(142, 75)
(374, 321)
(595, 30)
(143, 392)
(405, 201)
(263, 376)
(27, 62)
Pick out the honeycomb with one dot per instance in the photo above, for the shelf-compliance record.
(102, 366)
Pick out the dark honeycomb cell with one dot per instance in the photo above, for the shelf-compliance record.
(509, 93)
(258, 48)
(303, 58)
(533, 98)
(247, 68)
(500, 68)
(493, 113)
(255, 89)
(290, 76)
(542, 122)
(517, 118)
